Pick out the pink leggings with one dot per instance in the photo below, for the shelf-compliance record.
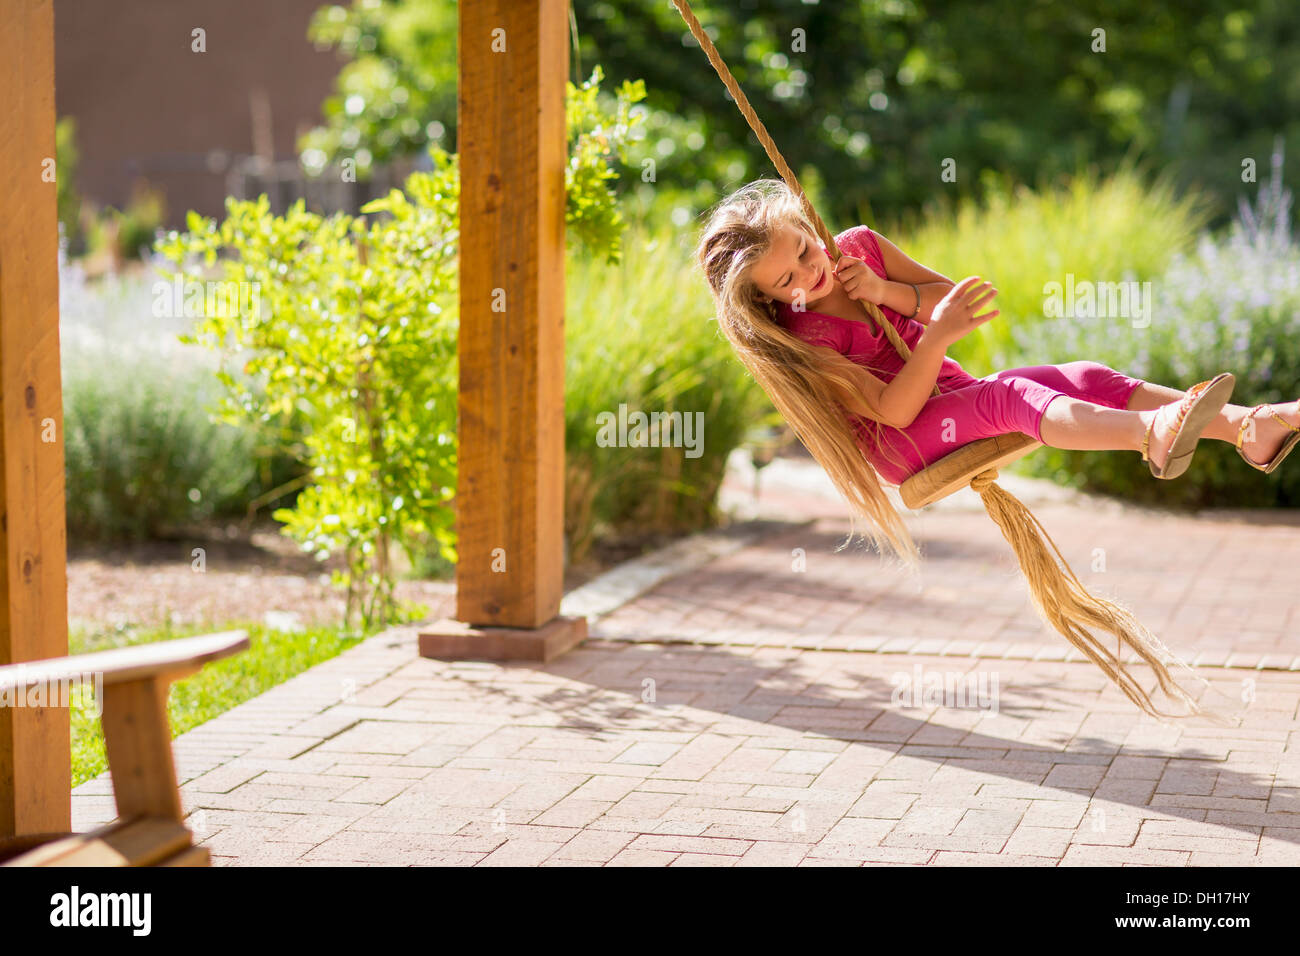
(968, 409)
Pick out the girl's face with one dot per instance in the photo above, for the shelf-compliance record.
(795, 261)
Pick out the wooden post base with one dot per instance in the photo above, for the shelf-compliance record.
(449, 639)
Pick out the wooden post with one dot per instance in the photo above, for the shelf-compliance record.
(514, 63)
(35, 751)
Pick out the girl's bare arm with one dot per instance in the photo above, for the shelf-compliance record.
(901, 400)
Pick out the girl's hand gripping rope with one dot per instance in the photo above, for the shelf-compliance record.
(858, 280)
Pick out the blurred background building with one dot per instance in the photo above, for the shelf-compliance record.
(197, 126)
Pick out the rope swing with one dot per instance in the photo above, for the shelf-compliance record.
(1059, 597)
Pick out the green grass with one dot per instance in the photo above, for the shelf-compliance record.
(272, 658)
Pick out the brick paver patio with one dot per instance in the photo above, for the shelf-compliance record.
(747, 711)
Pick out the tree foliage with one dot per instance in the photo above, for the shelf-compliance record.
(876, 96)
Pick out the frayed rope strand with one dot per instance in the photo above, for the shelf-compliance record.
(1064, 603)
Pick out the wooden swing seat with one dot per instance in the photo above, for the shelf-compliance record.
(150, 829)
(954, 472)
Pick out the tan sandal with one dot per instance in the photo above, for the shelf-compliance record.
(1291, 441)
(1200, 406)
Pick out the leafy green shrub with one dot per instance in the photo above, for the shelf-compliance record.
(353, 325)
(636, 336)
(142, 456)
(1114, 228)
(600, 129)
(138, 224)
(1231, 305)
(115, 234)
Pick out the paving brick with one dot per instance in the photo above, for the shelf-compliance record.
(1151, 839)
(763, 853)
(727, 800)
(397, 818)
(311, 830)
(708, 815)
(1176, 801)
(687, 844)
(375, 736)
(960, 858)
(1054, 813)
(1106, 826)
(1090, 855)
(253, 845)
(573, 812)
(373, 790)
(996, 823)
(519, 853)
(705, 860)
(285, 747)
(936, 821)
(1067, 775)
(640, 803)
(641, 857)
(784, 832)
(891, 806)
(598, 845)
(203, 818)
(1139, 768)
(405, 849)
(931, 841)
(1187, 782)
(1038, 841)
(650, 754)
(321, 783)
(1215, 858)
(674, 825)
(458, 788)
(225, 778)
(858, 831)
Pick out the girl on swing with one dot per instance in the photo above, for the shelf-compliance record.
(789, 312)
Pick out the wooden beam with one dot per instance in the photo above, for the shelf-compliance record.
(35, 743)
(514, 62)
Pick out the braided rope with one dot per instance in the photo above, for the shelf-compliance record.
(782, 167)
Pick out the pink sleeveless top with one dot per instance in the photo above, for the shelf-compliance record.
(861, 342)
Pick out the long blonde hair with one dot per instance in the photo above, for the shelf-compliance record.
(810, 386)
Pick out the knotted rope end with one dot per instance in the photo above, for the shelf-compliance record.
(984, 479)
